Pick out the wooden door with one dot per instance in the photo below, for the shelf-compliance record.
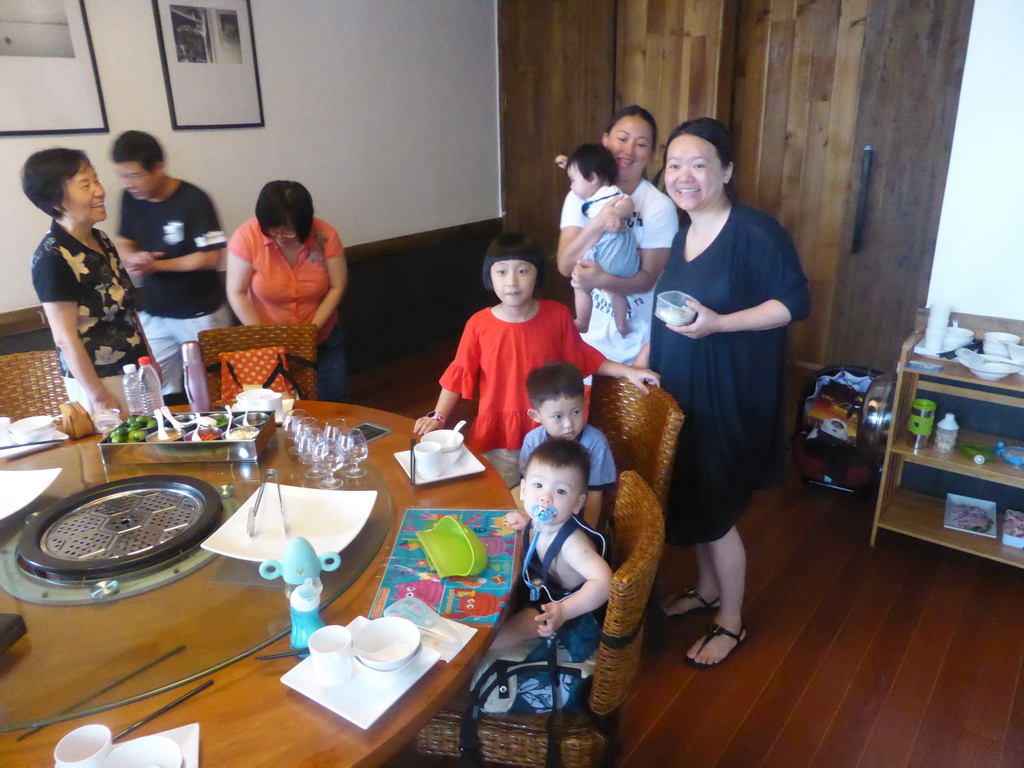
(556, 69)
(797, 74)
(910, 86)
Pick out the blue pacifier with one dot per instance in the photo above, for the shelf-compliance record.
(543, 515)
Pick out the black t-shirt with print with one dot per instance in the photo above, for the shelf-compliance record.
(171, 227)
(64, 269)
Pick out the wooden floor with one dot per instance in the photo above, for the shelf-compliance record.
(905, 654)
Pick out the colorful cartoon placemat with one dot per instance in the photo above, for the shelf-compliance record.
(474, 599)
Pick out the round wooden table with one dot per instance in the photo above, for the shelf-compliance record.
(248, 717)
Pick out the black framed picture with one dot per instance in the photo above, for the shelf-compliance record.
(48, 74)
(209, 60)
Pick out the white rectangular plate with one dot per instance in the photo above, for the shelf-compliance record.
(468, 464)
(328, 520)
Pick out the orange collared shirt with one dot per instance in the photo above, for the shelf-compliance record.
(280, 293)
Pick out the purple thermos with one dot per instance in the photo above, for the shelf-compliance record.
(195, 377)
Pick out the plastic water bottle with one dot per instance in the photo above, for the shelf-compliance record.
(150, 397)
(305, 610)
(130, 387)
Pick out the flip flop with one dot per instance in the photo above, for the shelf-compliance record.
(692, 594)
(714, 631)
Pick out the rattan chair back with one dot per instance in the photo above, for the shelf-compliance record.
(638, 534)
(31, 385)
(641, 429)
(299, 340)
(638, 531)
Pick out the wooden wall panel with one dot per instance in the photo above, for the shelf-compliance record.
(675, 58)
(556, 69)
(797, 84)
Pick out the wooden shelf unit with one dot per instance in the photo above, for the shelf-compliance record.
(915, 514)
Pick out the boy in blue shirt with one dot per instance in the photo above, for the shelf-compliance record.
(557, 403)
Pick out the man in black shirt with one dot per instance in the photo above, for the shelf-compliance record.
(171, 238)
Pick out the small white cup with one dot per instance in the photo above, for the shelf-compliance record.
(429, 461)
(85, 747)
(328, 646)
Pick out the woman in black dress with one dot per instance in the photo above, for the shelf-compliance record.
(726, 369)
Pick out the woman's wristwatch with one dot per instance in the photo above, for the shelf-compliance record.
(436, 416)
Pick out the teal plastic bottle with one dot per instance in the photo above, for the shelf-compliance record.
(305, 609)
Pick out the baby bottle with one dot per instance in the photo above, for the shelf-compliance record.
(945, 433)
(305, 608)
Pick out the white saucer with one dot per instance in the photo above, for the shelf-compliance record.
(53, 434)
(920, 349)
(468, 464)
(369, 693)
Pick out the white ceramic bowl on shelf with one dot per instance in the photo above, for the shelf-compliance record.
(995, 343)
(1016, 353)
(988, 367)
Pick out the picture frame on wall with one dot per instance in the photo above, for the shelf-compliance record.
(208, 52)
(48, 74)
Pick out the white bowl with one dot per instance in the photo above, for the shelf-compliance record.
(1016, 353)
(451, 443)
(993, 367)
(32, 428)
(996, 341)
(159, 751)
(957, 337)
(383, 633)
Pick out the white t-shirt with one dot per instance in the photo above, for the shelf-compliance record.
(655, 223)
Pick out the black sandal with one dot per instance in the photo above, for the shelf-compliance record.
(690, 593)
(714, 631)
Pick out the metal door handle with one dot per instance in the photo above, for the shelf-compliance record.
(862, 199)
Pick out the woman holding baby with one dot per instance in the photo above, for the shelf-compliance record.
(631, 137)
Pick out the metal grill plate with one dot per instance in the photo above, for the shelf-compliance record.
(119, 527)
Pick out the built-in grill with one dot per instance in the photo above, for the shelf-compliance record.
(118, 531)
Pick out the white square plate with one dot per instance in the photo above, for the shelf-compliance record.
(369, 693)
(20, 487)
(329, 520)
(468, 464)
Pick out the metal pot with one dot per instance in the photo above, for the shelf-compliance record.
(876, 418)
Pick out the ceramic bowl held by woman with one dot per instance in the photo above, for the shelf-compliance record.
(85, 291)
(287, 267)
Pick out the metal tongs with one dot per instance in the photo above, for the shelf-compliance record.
(250, 528)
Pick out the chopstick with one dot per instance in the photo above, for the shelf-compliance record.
(38, 442)
(412, 461)
(109, 687)
(283, 654)
(164, 708)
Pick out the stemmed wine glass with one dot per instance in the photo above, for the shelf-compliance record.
(356, 451)
(313, 451)
(336, 427)
(336, 459)
(290, 428)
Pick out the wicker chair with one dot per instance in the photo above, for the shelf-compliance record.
(521, 740)
(641, 429)
(31, 385)
(299, 340)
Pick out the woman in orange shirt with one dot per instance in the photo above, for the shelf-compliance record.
(285, 266)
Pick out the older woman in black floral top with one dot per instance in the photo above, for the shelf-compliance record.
(85, 291)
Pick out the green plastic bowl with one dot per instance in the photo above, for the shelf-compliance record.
(452, 549)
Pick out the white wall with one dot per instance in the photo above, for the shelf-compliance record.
(979, 254)
(387, 110)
